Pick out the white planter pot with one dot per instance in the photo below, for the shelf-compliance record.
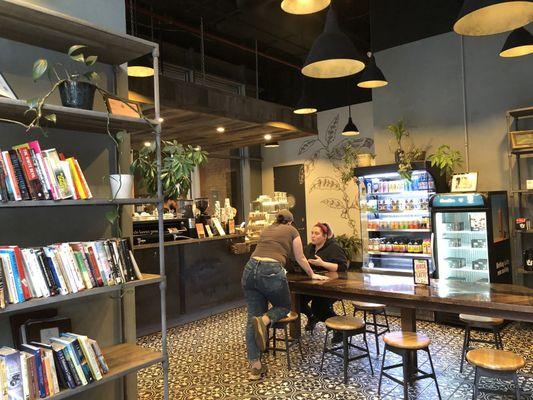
(121, 186)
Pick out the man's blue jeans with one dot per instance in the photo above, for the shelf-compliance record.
(264, 282)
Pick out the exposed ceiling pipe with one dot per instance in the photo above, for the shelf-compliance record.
(196, 31)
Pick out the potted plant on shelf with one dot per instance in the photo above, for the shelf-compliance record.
(177, 164)
(76, 89)
(399, 132)
(351, 246)
(407, 158)
(447, 160)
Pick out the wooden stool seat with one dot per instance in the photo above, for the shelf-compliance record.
(480, 320)
(292, 316)
(407, 340)
(345, 323)
(495, 360)
(361, 305)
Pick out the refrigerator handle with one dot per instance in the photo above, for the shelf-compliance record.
(433, 247)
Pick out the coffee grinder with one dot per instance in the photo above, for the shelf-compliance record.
(202, 204)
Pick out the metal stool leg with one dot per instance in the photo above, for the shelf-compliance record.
(517, 388)
(496, 339)
(368, 353)
(476, 383)
(287, 346)
(343, 307)
(375, 331)
(345, 348)
(325, 349)
(405, 376)
(386, 320)
(466, 341)
(433, 372)
(300, 347)
(381, 372)
(275, 336)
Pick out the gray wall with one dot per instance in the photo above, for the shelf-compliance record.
(96, 317)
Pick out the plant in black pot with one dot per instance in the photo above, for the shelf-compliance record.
(76, 87)
(399, 131)
(447, 160)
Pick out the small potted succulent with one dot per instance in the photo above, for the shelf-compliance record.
(76, 88)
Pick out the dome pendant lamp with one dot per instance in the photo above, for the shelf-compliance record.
(271, 145)
(302, 7)
(350, 129)
(372, 77)
(519, 43)
(141, 67)
(488, 17)
(305, 105)
(333, 55)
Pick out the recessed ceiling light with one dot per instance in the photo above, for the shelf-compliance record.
(161, 120)
(147, 144)
(221, 129)
(272, 144)
(268, 136)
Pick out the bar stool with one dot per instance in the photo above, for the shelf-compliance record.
(373, 309)
(493, 363)
(349, 326)
(282, 325)
(477, 322)
(403, 344)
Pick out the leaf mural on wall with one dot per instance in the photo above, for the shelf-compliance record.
(306, 146)
(325, 183)
(331, 133)
(333, 203)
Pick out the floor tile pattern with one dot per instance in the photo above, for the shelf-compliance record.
(207, 361)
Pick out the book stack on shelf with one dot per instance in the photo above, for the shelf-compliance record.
(64, 268)
(29, 173)
(41, 370)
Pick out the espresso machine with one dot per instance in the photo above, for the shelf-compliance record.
(202, 204)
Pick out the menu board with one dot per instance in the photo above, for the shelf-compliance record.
(421, 272)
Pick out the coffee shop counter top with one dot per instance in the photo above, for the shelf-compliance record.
(203, 278)
(189, 241)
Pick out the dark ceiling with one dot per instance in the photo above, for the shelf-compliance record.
(232, 26)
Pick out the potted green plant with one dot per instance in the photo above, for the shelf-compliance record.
(447, 160)
(407, 158)
(76, 88)
(399, 131)
(177, 164)
(350, 244)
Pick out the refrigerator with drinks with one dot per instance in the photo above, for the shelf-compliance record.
(395, 218)
(472, 241)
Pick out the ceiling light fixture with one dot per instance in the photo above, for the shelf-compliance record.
(141, 67)
(518, 43)
(372, 77)
(302, 7)
(487, 17)
(161, 120)
(305, 105)
(271, 145)
(333, 55)
(221, 129)
(147, 144)
(268, 136)
(350, 129)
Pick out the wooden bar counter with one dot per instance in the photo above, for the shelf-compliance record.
(202, 275)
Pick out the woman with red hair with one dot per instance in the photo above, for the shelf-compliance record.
(323, 253)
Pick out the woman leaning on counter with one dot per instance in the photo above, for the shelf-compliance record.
(323, 253)
(264, 281)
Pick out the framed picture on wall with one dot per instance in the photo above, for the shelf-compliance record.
(421, 273)
(5, 89)
(464, 182)
(521, 140)
(118, 106)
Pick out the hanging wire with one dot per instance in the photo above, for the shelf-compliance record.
(202, 46)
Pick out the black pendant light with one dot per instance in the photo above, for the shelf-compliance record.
(350, 129)
(271, 145)
(305, 104)
(487, 17)
(518, 43)
(302, 7)
(333, 55)
(141, 67)
(372, 77)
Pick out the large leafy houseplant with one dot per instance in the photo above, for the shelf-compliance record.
(177, 164)
(447, 160)
(399, 132)
(350, 244)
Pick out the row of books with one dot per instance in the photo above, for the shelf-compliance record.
(39, 370)
(29, 173)
(63, 268)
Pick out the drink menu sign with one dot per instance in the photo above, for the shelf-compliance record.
(421, 272)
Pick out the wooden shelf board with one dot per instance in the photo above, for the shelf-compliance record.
(39, 26)
(523, 271)
(75, 119)
(521, 112)
(73, 203)
(122, 360)
(148, 279)
(398, 230)
(393, 254)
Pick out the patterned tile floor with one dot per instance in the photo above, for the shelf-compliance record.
(207, 361)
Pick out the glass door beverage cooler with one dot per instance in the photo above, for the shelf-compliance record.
(395, 216)
(472, 237)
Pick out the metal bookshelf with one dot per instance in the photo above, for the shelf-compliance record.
(520, 200)
(38, 26)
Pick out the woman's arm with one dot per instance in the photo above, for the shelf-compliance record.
(330, 266)
(299, 255)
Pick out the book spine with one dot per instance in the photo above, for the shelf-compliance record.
(83, 269)
(98, 352)
(63, 366)
(116, 260)
(51, 177)
(56, 272)
(54, 383)
(15, 387)
(33, 282)
(94, 259)
(39, 167)
(124, 252)
(66, 171)
(83, 361)
(29, 169)
(3, 285)
(80, 192)
(10, 172)
(34, 385)
(46, 372)
(22, 274)
(61, 179)
(86, 187)
(73, 366)
(39, 274)
(51, 282)
(19, 175)
(25, 377)
(104, 262)
(10, 278)
(91, 261)
(4, 196)
(14, 270)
